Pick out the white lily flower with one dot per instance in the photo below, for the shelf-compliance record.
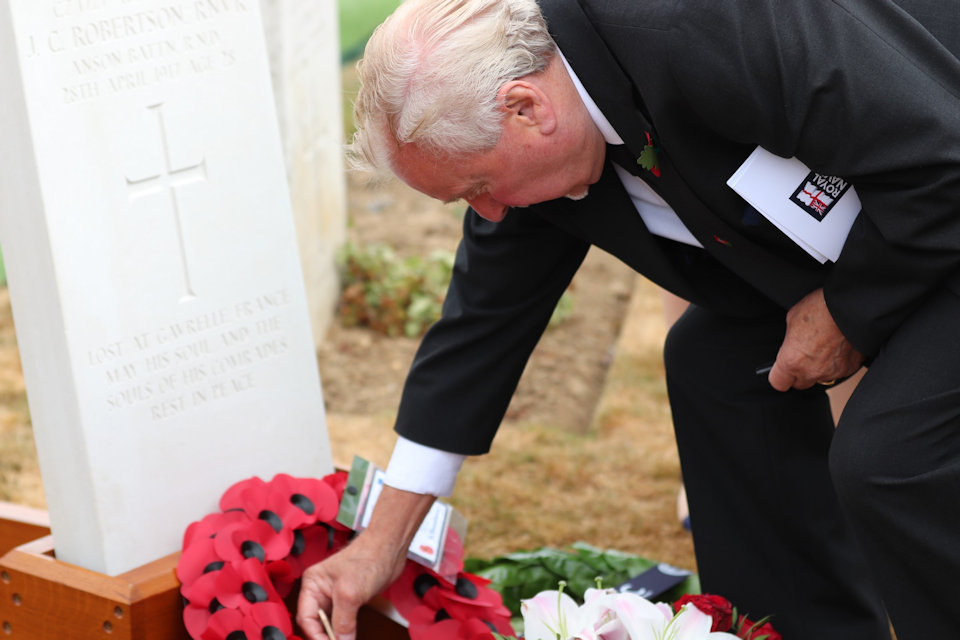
(609, 615)
(643, 619)
(647, 621)
(597, 618)
(691, 623)
(548, 616)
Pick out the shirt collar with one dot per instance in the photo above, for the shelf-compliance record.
(606, 129)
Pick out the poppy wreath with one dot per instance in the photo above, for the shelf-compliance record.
(239, 566)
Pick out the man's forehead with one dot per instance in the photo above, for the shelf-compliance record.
(442, 177)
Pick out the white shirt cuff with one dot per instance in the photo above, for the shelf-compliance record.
(420, 469)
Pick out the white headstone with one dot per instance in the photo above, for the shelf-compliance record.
(153, 268)
(303, 46)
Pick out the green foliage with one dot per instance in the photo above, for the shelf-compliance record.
(392, 295)
(522, 575)
(358, 19)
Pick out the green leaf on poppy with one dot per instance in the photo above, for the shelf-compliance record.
(648, 158)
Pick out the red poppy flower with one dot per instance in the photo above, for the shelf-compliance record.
(198, 570)
(243, 584)
(480, 630)
(313, 544)
(651, 150)
(252, 539)
(283, 576)
(469, 599)
(425, 626)
(202, 591)
(307, 500)
(202, 603)
(268, 621)
(424, 598)
(233, 498)
(265, 620)
(428, 624)
(223, 623)
(284, 501)
(211, 525)
(197, 559)
(406, 592)
(196, 620)
(338, 482)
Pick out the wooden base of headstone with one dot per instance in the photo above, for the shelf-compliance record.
(43, 598)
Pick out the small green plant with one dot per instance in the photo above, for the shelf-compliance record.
(392, 295)
(400, 296)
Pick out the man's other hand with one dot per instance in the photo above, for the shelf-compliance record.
(814, 351)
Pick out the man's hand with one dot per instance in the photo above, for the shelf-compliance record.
(813, 350)
(349, 579)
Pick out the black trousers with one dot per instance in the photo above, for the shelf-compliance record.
(793, 518)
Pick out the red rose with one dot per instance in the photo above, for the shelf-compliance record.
(764, 631)
(716, 607)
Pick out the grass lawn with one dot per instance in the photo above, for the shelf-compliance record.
(358, 18)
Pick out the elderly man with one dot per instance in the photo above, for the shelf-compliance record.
(571, 123)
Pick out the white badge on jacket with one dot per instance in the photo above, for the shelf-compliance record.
(814, 210)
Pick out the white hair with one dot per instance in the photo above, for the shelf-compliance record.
(431, 72)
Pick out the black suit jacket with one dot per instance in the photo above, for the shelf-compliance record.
(856, 88)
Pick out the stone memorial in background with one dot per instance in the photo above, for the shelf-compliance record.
(303, 47)
(153, 267)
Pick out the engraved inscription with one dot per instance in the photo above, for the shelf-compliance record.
(168, 181)
(114, 46)
(194, 362)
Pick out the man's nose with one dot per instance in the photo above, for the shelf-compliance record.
(488, 208)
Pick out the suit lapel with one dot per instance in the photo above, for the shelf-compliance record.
(616, 96)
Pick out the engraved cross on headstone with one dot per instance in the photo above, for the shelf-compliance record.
(170, 179)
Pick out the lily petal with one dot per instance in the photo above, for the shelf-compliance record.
(547, 615)
(691, 624)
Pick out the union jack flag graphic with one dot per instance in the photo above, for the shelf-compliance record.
(814, 199)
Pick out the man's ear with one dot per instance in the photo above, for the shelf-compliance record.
(528, 105)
